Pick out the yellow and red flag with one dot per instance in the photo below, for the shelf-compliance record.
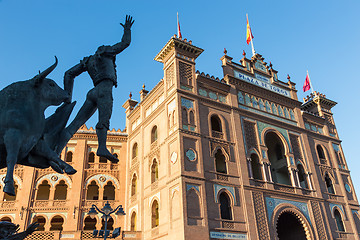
(249, 35)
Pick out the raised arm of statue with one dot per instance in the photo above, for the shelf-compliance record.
(126, 39)
(72, 73)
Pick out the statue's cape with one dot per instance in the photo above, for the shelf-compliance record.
(53, 127)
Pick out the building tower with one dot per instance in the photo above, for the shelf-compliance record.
(234, 158)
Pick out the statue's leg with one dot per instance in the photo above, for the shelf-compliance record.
(85, 112)
(104, 104)
(12, 141)
(42, 149)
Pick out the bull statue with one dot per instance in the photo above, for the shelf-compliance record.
(10, 231)
(26, 137)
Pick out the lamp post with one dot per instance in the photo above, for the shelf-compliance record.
(106, 211)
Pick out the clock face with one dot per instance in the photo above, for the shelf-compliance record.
(173, 157)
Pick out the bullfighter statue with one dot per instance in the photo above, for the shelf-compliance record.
(10, 231)
(102, 70)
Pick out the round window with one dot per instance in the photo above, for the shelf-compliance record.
(191, 155)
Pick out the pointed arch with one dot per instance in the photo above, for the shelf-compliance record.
(155, 214)
(135, 150)
(69, 156)
(256, 166)
(133, 221)
(220, 162)
(338, 219)
(329, 183)
(193, 203)
(60, 191)
(154, 134)
(154, 171)
(41, 220)
(57, 223)
(109, 191)
(225, 206)
(92, 191)
(302, 175)
(133, 185)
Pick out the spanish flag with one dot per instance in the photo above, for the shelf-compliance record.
(249, 35)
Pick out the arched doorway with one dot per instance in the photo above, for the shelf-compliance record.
(289, 227)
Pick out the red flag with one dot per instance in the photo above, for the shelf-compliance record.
(178, 27)
(306, 86)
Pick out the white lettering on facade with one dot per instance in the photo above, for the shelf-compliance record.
(261, 83)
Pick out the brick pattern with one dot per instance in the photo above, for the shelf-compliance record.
(261, 220)
(296, 147)
(318, 220)
(250, 135)
(40, 236)
(170, 75)
(185, 73)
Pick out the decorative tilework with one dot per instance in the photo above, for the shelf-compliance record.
(187, 103)
(268, 108)
(218, 187)
(189, 186)
(261, 104)
(247, 99)
(185, 87)
(332, 205)
(292, 160)
(284, 133)
(267, 115)
(264, 154)
(336, 147)
(255, 103)
(190, 154)
(347, 187)
(261, 221)
(203, 92)
(286, 113)
(102, 179)
(213, 95)
(292, 115)
(354, 211)
(274, 110)
(280, 111)
(272, 203)
(222, 98)
(241, 98)
(318, 220)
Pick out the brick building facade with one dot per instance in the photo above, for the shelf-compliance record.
(203, 158)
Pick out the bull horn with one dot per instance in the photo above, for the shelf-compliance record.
(46, 72)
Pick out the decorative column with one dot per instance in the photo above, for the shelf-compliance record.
(263, 170)
(292, 177)
(268, 166)
(297, 177)
(250, 168)
(309, 180)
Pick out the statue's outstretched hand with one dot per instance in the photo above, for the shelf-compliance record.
(128, 22)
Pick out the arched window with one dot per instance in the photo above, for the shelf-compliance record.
(109, 191)
(60, 191)
(110, 224)
(41, 221)
(133, 222)
(191, 118)
(339, 221)
(193, 204)
(133, 185)
(154, 171)
(174, 118)
(91, 158)
(184, 116)
(276, 155)
(220, 163)
(155, 214)
(329, 184)
(43, 191)
(225, 208)
(92, 191)
(57, 223)
(255, 167)
(102, 160)
(5, 219)
(302, 176)
(90, 223)
(154, 135)
(357, 221)
(69, 157)
(7, 197)
(215, 123)
(320, 153)
(134, 150)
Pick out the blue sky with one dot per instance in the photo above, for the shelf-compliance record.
(320, 36)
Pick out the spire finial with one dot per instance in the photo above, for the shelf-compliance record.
(143, 86)
(130, 95)
(288, 77)
(270, 65)
(225, 51)
(244, 53)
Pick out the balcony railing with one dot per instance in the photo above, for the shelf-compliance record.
(49, 203)
(216, 134)
(100, 203)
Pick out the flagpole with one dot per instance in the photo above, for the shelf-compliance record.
(312, 89)
(178, 26)
(252, 44)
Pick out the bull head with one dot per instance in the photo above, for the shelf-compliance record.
(40, 77)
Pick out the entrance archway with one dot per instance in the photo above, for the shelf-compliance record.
(289, 227)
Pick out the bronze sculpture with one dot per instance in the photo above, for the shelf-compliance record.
(10, 231)
(102, 70)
